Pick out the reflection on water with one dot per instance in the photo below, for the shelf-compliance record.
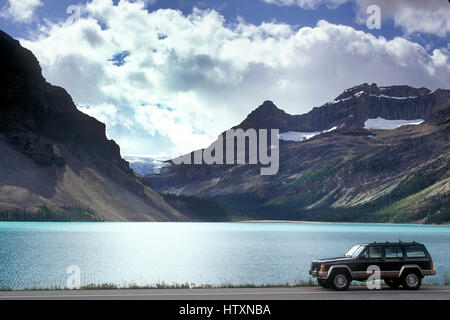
(38, 254)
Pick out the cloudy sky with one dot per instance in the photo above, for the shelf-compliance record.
(167, 76)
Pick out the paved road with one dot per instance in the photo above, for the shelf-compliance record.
(307, 293)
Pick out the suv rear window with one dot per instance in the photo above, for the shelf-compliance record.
(415, 252)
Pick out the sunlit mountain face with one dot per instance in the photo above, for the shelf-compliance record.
(377, 154)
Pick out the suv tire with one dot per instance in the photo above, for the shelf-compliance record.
(411, 280)
(340, 281)
(323, 283)
(393, 283)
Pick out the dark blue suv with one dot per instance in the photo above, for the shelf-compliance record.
(399, 263)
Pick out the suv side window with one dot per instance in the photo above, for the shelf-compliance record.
(415, 252)
(373, 253)
(393, 252)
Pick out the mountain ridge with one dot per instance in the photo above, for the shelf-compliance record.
(393, 102)
(349, 173)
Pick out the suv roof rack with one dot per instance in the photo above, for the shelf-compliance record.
(399, 242)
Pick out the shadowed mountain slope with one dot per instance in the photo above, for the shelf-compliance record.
(54, 157)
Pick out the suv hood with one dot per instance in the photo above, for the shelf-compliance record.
(331, 260)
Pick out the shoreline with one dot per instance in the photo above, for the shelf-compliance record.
(330, 222)
(239, 221)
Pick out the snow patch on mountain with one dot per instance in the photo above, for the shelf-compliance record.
(383, 124)
(299, 136)
(392, 97)
(329, 130)
(357, 95)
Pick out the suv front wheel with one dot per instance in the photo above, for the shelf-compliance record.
(340, 281)
(411, 280)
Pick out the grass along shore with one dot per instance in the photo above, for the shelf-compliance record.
(163, 285)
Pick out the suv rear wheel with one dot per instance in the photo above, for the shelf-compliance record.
(411, 280)
(393, 283)
(340, 281)
(323, 283)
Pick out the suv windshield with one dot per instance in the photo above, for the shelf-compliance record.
(354, 251)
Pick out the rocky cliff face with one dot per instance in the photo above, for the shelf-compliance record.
(351, 108)
(67, 147)
(348, 174)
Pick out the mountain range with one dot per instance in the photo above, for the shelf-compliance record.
(373, 154)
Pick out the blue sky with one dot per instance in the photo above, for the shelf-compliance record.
(167, 76)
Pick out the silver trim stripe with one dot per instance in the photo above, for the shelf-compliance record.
(366, 274)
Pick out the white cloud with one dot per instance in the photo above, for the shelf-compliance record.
(430, 16)
(183, 79)
(21, 11)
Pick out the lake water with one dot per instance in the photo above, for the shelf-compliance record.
(38, 254)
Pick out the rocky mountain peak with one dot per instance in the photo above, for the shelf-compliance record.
(365, 87)
(268, 105)
(35, 115)
(403, 91)
(399, 91)
(17, 62)
(266, 116)
(267, 108)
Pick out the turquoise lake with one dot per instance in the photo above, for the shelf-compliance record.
(36, 255)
